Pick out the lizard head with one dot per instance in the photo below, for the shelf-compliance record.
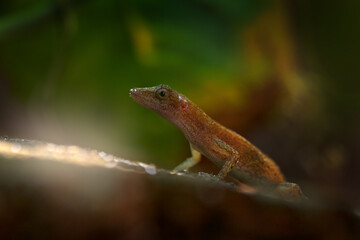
(161, 99)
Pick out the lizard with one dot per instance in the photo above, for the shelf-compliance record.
(227, 149)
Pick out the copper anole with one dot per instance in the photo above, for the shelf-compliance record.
(230, 151)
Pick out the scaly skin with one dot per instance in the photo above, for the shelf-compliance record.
(227, 149)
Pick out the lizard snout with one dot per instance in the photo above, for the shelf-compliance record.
(133, 91)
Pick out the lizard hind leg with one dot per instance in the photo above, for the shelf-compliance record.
(189, 162)
(229, 164)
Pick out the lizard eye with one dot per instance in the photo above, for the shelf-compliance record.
(162, 93)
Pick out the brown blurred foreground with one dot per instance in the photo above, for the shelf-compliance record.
(51, 191)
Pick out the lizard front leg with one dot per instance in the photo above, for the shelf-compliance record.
(189, 162)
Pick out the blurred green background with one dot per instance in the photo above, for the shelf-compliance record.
(284, 74)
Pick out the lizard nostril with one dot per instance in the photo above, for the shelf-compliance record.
(133, 91)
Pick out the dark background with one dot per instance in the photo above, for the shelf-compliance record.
(284, 74)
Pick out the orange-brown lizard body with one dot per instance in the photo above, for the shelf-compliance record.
(230, 151)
